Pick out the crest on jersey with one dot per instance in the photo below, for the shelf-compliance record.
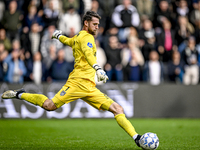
(62, 93)
(89, 45)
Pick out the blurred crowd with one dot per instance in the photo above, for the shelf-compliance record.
(152, 41)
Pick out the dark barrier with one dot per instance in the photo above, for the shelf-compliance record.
(167, 101)
(138, 100)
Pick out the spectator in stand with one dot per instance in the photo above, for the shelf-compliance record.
(158, 1)
(51, 14)
(66, 4)
(195, 15)
(26, 49)
(182, 9)
(190, 58)
(19, 4)
(35, 37)
(47, 42)
(33, 17)
(197, 33)
(28, 61)
(197, 37)
(133, 34)
(113, 31)
(3, 55)
(153, 71)
(101, 58)
(12, 21)
(184, 29)
(2, 9)
(108, 9)
(70, 21)
(6, 41)
(1, 68)
(145, 8)
(87, 5)
(166, 42)
(175, 68)
(97, 9)
(194, 4)
(69, 58)
(30, 40)
(15, 69)
(61, 66)
(3, 51)
(113, 67)
(133, 67)
(38, 69)
(51, 56)
(40, 4)
(162, 13)
(125, 16)
(191, 4)
(2, 47)
(147, 38)
(16, 45)
(133, 43)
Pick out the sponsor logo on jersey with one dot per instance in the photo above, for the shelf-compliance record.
(62, 93)
(89, 45)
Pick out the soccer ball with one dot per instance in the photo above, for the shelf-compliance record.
(149, 141)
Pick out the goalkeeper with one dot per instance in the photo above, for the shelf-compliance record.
(81, 83)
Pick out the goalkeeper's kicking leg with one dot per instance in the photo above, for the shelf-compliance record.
(36, 99)
(118, 112)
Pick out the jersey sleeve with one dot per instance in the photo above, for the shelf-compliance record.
(87, 45)
(65, 40)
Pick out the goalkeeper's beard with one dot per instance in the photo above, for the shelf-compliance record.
(93, 32)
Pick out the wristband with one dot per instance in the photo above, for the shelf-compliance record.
(96, 67)
(58, 36)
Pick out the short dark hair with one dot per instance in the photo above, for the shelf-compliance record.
(88, 16)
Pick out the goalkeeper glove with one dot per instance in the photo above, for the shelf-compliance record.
(101, 75)
(56, 34)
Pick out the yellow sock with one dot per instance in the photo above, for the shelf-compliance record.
(36, 99)
(125, 124)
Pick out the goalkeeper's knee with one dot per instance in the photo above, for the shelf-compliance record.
(116, 109)
(49, 105)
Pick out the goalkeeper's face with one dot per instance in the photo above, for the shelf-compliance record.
(93, 26)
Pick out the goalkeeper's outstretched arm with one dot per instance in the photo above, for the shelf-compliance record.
(63, 39)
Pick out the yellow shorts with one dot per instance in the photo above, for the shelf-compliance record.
(82, 89)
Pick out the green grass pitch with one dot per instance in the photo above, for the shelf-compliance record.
(95, 134)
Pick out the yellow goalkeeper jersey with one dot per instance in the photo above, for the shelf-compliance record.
(84, 52)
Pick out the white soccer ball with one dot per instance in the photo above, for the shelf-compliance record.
(149, 141)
